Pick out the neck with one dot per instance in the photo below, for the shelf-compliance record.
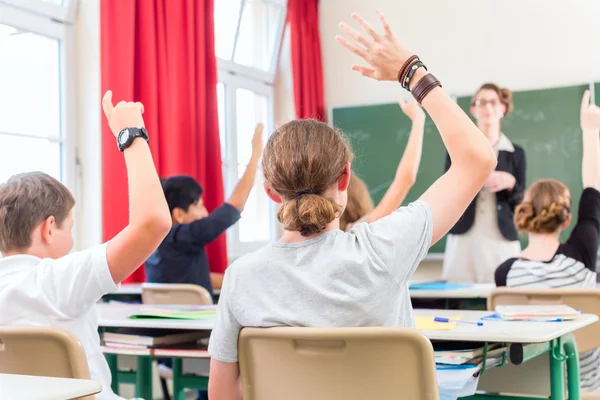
(491, 132)
(296, 237)
(542, 246)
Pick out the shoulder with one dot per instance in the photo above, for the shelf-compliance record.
(502, 271)
(519, 151)
(250, 265)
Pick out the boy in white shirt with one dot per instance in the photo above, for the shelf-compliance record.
(40, 282)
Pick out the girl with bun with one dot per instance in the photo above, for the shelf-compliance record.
(543, 214)
(486, 235)
(360, 206)
(317, 275)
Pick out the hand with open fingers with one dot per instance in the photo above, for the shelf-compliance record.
(257, 141)
(125, 114)
(500, 180)
(385, 53)
(412, 109)
(590, 114)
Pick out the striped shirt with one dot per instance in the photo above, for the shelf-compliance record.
(573, 266)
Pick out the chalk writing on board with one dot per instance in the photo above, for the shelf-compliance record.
(572, 141)
(381, 187)
(359, 135)
(401, 134)
(535, 116)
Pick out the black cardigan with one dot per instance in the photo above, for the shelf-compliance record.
(515, 164)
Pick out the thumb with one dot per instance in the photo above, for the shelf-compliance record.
(402, 103)
(107, 104)
(585, 101)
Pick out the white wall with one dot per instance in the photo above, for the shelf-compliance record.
(519, 44)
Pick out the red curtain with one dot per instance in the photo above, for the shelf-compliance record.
(303, 19)
(161, 52)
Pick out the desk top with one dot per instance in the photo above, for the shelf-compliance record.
(502, 331)
(128, 289)
(474, 291)
(26, 387)
(116, 315)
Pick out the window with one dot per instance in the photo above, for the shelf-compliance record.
(248, 35)
(36, 126)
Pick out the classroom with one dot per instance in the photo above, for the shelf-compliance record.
(299, 199)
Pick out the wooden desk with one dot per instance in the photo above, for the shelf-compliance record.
(26, 387)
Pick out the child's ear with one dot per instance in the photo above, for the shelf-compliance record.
(344, 180)
(272, 195)
(47, 229)
(178, 215)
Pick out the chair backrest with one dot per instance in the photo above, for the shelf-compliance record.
(42, 351)
(586, 300)
(336, 364)
(175, 293)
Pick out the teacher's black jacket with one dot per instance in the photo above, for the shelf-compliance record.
(511, 159)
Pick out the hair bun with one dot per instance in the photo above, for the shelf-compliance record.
(309, 213)
(524, 214)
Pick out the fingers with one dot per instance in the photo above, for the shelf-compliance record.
(365, 71)
(259, 128)
(141, 106)
(353, 47)
(366, 26)
(354, 34)
(386, 27)
(585, 101)
(107, 104)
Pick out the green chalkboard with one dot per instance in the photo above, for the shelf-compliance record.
(545, 123)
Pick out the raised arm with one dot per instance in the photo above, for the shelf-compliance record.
(242, 190)
(590, 125)
(406, 174)
(149, 217)
(470, 152)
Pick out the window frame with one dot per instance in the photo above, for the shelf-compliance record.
(42, 22)
(232, 82)
(65, 13)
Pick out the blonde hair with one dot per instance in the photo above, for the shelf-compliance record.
(359, 202)
(26, 200)
(545, 207)
(301, 160)
(504, 94)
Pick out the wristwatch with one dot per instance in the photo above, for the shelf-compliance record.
(128, 135)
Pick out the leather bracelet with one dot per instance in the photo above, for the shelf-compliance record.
(410, 60)
(425, 85)
(406, 71)
(411, 71)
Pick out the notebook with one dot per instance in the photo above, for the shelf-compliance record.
(177, 312)
(554, 312)
(438, 286)
(125, 337)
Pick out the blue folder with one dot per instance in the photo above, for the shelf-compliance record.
(439, 286)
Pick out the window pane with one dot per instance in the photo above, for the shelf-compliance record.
(227, 13)
(258, 34)
(254, 224)
(221, 111)
(29, 83)
(22, 154)
(251, 108)
(59, 2)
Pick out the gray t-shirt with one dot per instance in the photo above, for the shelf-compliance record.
(338, 279)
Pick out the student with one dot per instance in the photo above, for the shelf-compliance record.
(543, 214)
(41, 283)
(360, 205)
(318, 275)
(486, 235)
(181, 257)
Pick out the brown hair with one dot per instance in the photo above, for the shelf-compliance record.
(359, 202)
(546, 206)
(305, 155)
(26, 200)
(504, 94)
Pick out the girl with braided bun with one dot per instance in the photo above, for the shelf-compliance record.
(543, 214)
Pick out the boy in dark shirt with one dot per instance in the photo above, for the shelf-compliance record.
(181, 257)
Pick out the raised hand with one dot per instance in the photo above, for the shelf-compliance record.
(124, 115)
(385, 53)
(412, 110)
(590, 114)
(257, 141)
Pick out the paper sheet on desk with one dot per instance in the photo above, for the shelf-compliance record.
(428, 324)
(457, 382)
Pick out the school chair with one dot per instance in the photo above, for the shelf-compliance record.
(168, 294)
(336, 364)
(586, 300)
(42, 351)
(175, 293)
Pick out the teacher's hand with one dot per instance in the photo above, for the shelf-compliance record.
(500, 180)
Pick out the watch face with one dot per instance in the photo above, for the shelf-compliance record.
(124, 136)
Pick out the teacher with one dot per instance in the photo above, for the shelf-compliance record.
(485, 236)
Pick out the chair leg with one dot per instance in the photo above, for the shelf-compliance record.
(165, 389)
